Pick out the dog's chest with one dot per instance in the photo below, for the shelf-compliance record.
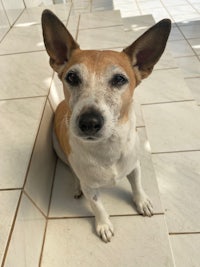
(106, 163)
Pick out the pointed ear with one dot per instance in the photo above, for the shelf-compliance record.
(148, 48)
(58, 41)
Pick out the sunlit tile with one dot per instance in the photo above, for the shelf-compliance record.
(25, 75)
(22, 39)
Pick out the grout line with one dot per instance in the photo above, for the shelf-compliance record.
(23, 97)
(47, 218)
(104, 27)
(168, 102)
(78, 25)
(184, 233)
(176, 151)
(92, 216)
(11, 230)
(23, 52)
(141, 126)
(28, 168)
(10, 189)
(34, 204)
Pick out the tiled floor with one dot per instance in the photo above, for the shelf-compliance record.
(41, 224)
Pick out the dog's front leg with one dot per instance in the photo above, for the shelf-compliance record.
(141, 200)
(103, 224)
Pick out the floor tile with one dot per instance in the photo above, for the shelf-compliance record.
(8, 200)
(180, 48)
(150, 4)
(190, 66)
(185, 250)
(25, 75)
(174, 3)
(81, 5)
(40, 176)
(118, 199)
(13, 9)
(26, 241)
(73, 21)
(22, 39)
(159, 87)
(100, 19)
(138, 22)
(193, 85)
(172, 126)
(166, 61)
(56, 94)
(181, 9)
(186, 18)
(32, 15)
(102, 38)
(133, 239)
(127, 8)
(178, 180)
(100, 5)
(190, 31)
(158, 13)
(175, 34)
(4, 24)
(195, 43)
(138, 113)
(23, 117)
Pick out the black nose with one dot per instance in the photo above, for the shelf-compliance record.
(90, 122)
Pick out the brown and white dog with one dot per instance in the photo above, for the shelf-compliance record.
(95, 126)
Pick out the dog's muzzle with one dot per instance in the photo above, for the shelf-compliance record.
(90, 122)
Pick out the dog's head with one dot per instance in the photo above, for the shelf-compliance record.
(99, 85)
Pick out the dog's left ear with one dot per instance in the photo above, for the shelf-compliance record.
(58, 41)
(145, 52)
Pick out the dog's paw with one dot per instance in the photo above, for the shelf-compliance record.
(105, 231)
(143, 204)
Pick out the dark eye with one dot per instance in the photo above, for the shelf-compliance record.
(72, 78)
(118, 80)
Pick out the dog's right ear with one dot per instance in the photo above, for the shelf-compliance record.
(58, 41)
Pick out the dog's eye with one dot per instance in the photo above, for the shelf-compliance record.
(72, 78)
(118, 80)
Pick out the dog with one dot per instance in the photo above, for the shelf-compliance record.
(95, 126)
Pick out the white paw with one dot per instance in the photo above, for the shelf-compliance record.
(143, 204)
(105, 231)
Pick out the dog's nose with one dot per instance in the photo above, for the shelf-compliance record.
(90, 122)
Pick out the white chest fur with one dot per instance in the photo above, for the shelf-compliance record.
(103, 163)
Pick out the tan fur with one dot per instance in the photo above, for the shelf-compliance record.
(62, 116)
